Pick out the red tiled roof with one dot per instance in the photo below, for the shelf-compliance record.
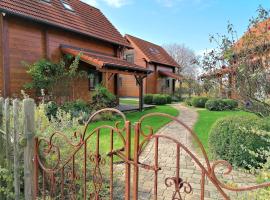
(152, 52)
(170, 74)
(85, 19)
(104, 61)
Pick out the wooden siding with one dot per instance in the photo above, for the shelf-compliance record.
(1, 57)
(151, 80)
(29, 42)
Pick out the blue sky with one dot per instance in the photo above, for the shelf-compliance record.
(186, 22)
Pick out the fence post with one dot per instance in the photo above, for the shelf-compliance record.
(2, 160)
(127, 151)
(1, 134)
(7, 131)
(136, 160)
(29, 134)
(16, 148)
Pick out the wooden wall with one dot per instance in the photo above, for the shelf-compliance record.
(1, 57)
(30, 41)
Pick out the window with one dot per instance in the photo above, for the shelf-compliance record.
(95, 78)
(168, 83)
(67, 6)
(153, 50)
(47, 1)
(130, 58)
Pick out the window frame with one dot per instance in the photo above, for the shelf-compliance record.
(97, 79)
(67, 6)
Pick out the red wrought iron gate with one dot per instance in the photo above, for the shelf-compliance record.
(79, 167)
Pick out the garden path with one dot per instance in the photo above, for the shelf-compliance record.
(189, 171)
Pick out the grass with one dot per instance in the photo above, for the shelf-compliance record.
(206, 120)
(129, 102)
(155, 122)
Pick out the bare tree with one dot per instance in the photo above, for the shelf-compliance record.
(188, 62)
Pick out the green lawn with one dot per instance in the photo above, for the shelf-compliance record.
(129, 102)
(155, 122)
(208, 118)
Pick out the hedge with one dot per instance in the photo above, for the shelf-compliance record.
(148, 98)
(199, 102)
(159, 99)
(221, 104)
(231, 138)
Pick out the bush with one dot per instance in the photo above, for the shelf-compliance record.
(232, 139)
(159, 99)
(188, 101)
(102, 98)
(168, 98)
(230, 103)
(199, 102)
(221, 104)
(75, 108)
(148, 98)
(51, 109)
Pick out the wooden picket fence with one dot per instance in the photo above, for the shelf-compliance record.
(17, 132)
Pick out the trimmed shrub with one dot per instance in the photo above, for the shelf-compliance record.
(232, 139)
(221, 104)
(148, 98)
(168, 98)
(230, 103)
(159, 99)
(199, 102)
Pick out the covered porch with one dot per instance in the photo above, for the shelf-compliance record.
(170, 75)
(110, 67)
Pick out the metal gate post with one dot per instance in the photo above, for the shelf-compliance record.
(136, 161)
(127, 152)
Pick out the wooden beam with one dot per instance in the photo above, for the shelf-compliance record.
(116, 87)
(5, 56)
(141, 103)
(120, 72)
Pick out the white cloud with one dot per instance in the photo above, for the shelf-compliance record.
(91, 2)
(112, 3)
(173, 3)
(117, 3)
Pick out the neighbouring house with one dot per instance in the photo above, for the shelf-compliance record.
(151, 57)
(35, 29)
(253, 47)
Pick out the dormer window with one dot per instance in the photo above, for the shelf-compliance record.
(67, 6)
(153, 50)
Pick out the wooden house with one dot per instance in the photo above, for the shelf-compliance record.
(35, 29)
(152, 57)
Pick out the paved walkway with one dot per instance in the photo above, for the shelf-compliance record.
(189, 171)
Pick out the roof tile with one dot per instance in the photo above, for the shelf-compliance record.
(153, 52)
(85, 18)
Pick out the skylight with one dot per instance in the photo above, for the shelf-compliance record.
(47, 1)
(67, 6)
(153, 50)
